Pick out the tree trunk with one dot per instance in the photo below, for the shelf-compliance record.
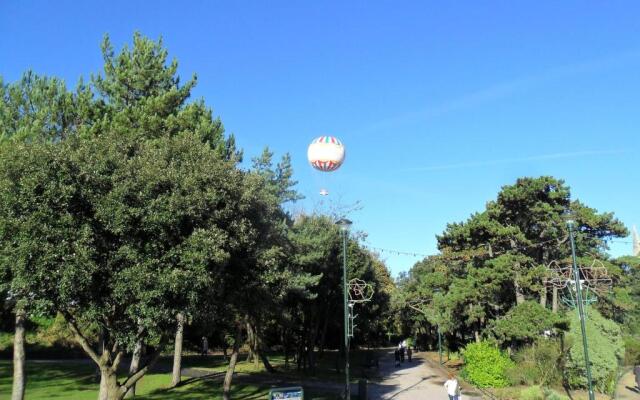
(516, 279)
(323, 336)
(519, 294)
(103, 394)
(133, 368)
(226, 388)
(543, 297)
(111, 384)
(554, 300)
(253, 349)
(177, 352)
(19, 356)
(258, 352)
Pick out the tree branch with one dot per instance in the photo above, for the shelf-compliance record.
(86, 346)
(117, 360)
(131, 380)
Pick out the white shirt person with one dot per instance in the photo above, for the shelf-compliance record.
(453, 388)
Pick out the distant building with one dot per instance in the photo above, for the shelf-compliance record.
(636, 243)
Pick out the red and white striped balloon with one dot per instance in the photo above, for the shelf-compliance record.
(326, 153)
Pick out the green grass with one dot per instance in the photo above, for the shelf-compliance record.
(75, 380)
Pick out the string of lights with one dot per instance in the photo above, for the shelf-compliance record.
(484, 248)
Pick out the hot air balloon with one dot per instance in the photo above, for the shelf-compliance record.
(326, 154)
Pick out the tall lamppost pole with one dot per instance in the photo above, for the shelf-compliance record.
(439, 334)
(576, 277)
(344, 225)
(439, 343)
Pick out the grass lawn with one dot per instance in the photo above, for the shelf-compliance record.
(75, 380)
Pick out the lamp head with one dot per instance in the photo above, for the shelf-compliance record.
(344, 224)
(569, 218)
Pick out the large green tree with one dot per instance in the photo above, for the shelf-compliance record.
(119, 234)
(35, 109)
(498, 258)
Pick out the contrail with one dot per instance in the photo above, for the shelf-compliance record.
(487, 163)
(504, 89)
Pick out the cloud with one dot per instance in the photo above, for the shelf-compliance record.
(487, 163)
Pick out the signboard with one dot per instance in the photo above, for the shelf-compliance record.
(289, 393)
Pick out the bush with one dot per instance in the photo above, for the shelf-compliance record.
(606, 350)
(538, 364)
(485, 365)
(524, 324)
(553, 395)
(523, 373)
(532, 393)
(632, 350)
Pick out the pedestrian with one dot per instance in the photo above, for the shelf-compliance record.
(453, 387)
(401, 354)
(409, 352)
(205, 346)
(396, 354)
(636, 372)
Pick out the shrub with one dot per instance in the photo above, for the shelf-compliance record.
(606, 350)
(532, 393)
(538, 364)
(524, 324)
(522, 374)
(553, 395)
(632, 350)
(485, 365)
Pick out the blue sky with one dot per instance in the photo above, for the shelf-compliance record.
(438, 103)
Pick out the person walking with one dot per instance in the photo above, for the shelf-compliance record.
(453, 387)
(409, 352)
(401, 350)
(636, 373)
(396, 354)
(205, 346)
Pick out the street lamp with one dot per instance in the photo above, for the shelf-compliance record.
(439, 333)
(344, 225)
(576, 277)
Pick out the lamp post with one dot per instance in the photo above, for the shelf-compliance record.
(439, 344)
(439, 334)
(344, 225)
(576, 277)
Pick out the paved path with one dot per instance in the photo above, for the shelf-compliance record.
(627, 388)
(417, 380)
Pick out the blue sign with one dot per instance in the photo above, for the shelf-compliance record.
(289, 393)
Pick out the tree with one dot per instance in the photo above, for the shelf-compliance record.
(34, 109)
(525, 323)
(119, 234)
(139, 95)
(37, 109)
(498, 258)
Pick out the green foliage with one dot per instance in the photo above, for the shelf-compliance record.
(37, 108)
(107, 223)
(525, 323)
(532, 393)
(553, 395)
(632, 350)
(538, 364)
(497, 259)
(606, 350)
(485, 365)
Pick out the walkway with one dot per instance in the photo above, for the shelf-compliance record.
(627, 388)
(416, 380)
